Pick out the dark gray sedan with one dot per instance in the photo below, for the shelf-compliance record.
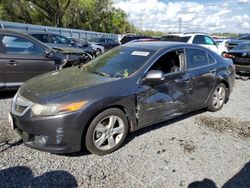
(128, 88)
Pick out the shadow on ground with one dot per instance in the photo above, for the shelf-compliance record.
(145, 130)
(7, 145)
(142, 131)
(22, 176)
(240, 180)
(243, 76)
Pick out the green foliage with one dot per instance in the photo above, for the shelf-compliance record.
(95, 15)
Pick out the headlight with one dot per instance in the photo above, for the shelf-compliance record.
(53, 109)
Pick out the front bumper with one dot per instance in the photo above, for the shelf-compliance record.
(55, 134)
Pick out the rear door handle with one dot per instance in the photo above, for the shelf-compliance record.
(12, 63)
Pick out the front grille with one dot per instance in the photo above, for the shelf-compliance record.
(20, 105)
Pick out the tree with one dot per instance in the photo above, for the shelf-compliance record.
(52, 10)
(94, 15)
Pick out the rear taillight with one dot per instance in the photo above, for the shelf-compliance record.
(226, 55)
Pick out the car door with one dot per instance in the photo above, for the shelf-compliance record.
(161, 100)
(104, 43)
(203, 68)
(23, 59)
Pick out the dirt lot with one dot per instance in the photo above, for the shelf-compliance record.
(200, 149)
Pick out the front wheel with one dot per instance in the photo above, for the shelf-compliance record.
(217, 98)
(107, 132)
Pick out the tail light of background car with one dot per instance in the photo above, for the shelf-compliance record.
(226, 55)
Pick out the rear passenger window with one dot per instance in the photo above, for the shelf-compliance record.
(211, 59)
(197, 58)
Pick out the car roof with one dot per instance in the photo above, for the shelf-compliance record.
(23, 34)
(158, 45)
(7, 31)
(185, 34)
(41, 33)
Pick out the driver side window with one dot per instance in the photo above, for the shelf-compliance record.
(19, 46)
(170, 62)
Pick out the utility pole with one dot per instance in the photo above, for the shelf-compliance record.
(180, 25)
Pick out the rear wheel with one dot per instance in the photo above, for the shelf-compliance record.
(217, 98)
(107, 132)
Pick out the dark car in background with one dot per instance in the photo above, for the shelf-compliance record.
(62, 43)
(22, 57)
(98, 49)
(230, 44)
(128, 38)
(240, 56)
(107, 43)
(125, 89)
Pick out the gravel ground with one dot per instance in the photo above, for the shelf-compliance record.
(200, 149)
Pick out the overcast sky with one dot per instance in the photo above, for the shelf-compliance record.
(197, 15)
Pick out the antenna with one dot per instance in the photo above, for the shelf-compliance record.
(180, 24)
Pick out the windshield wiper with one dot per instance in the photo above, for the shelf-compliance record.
(101, 73)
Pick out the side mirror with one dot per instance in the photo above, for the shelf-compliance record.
(154, 76)
(48, 53)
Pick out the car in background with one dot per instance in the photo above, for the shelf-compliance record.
(234, 42)
(107, 43)
(221, 44)
(62, 43)
(128, 38)
(202, 39)
(23, 57)
(127, 88)
(98, 49)
(240, 56)
(145, 40)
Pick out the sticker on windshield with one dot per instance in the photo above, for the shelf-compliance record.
(140, 53)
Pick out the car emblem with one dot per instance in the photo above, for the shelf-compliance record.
(244, 54)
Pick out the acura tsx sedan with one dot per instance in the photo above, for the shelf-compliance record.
(130, 87)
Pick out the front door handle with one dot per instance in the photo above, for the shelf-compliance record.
(12, 63)
(185, 78)
(213, 71)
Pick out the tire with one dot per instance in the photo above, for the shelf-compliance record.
(98, 52)
(217, 98)
(107, 132)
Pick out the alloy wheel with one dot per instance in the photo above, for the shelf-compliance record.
(219, 97)
(108, 132)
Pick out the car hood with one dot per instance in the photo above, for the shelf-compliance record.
(67, 49)
(50, 86)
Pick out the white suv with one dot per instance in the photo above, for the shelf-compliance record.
(193, 38)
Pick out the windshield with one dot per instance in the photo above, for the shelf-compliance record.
(120, 62)
(175, 38)
(243, 47)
